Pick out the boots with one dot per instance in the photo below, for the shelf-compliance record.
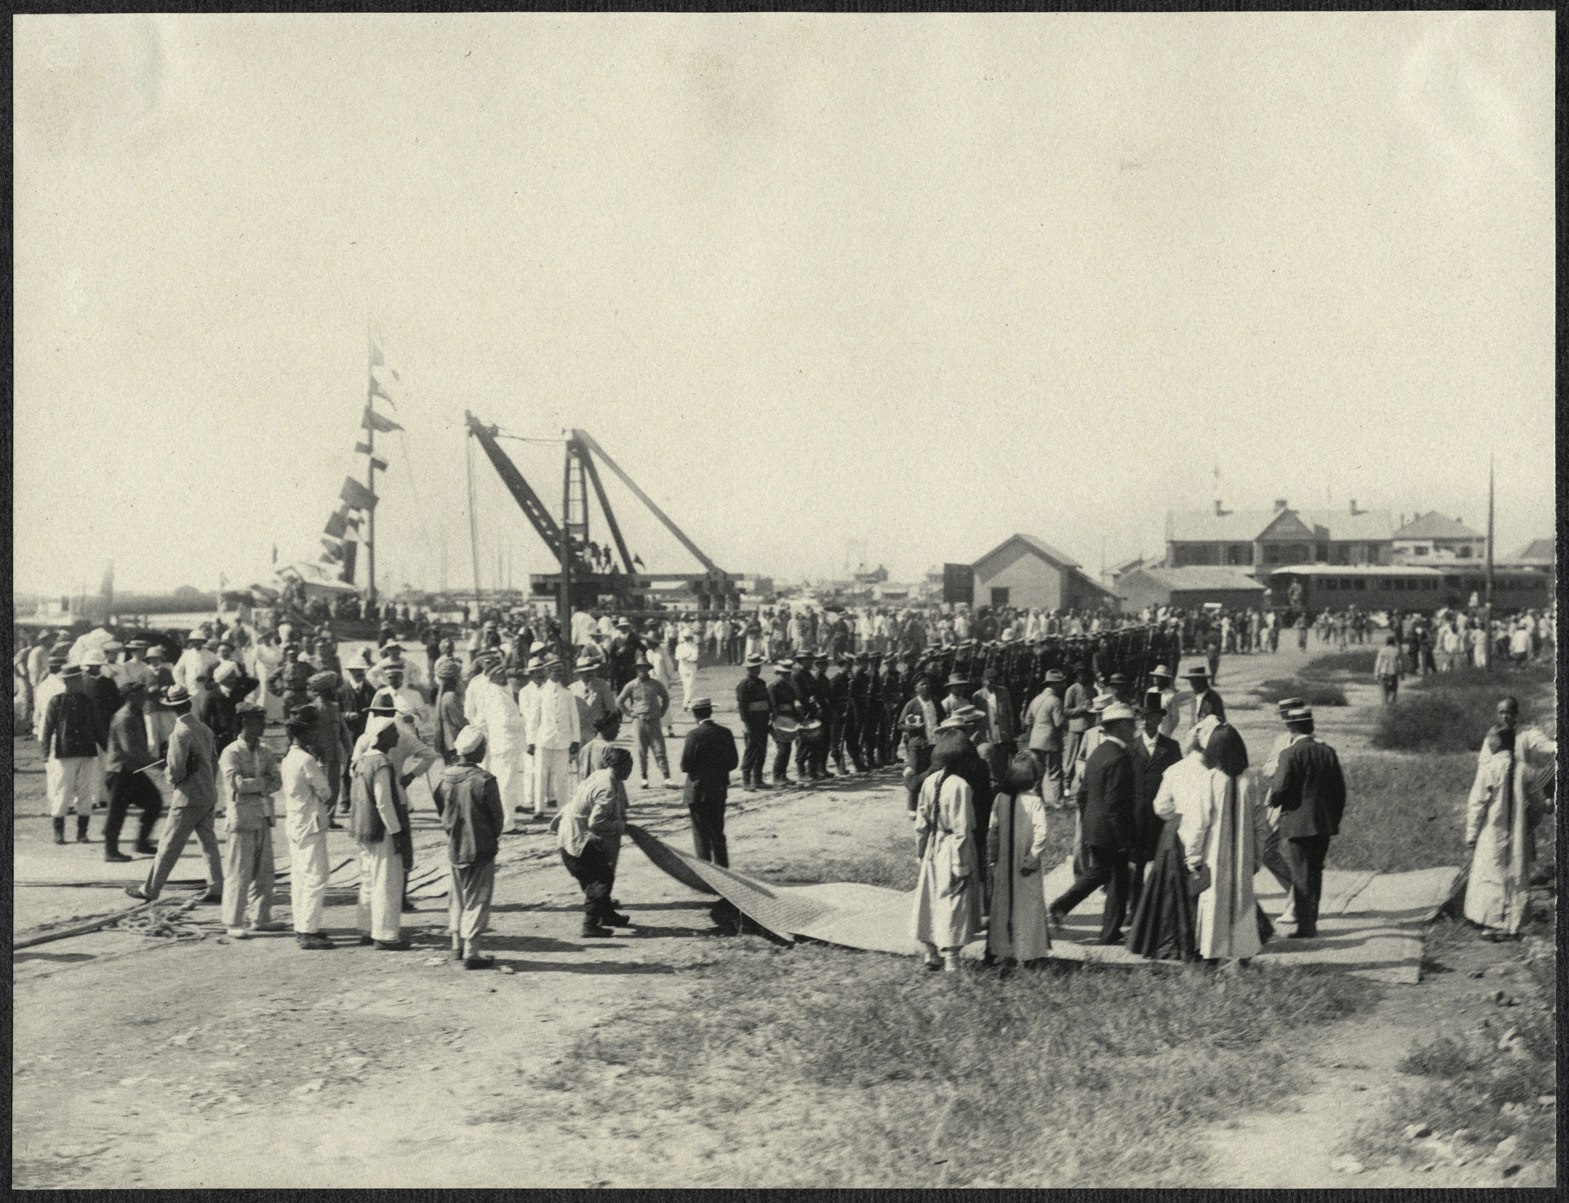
(112, 850)
(59, 829)
(81, 830)
(144, 842)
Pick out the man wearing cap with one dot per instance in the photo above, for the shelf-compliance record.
(550, 721)
(836, 689)
(858, 716)
(1204, 703)
(1044, 720)
(645, 701)
(129, 784)
(113, 650)
(1309, 791)
(1106, 818)
(805, 685)
(307, 810)
(448, 718)
(756, 708)
(218, 707)
(872, 730)
(589, 839)
(1153, 753)
(822, 695)
(472, 814)
(191, 769)
(69, 739)
(919, 722)
(134, 666)
(1000, 740)
(707, 758)
(248, 777)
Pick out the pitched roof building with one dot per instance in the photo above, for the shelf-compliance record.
(1257, 540)
(1028, 573)
(1189, 588)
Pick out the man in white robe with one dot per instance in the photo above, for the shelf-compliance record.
(306, 794)
(550, 718)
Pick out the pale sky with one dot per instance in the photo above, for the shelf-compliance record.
(911, 281)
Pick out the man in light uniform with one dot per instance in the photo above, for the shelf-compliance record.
(645, 701)
(488, 705)
(1044, 720)
(248, 777)
(550, 718)
(194, 664)
(191, 770)
(1160, 680)
(307, 795)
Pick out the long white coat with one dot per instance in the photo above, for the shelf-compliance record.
(945, 816)
(505, 738)
(1231, 829)
(1501, 817)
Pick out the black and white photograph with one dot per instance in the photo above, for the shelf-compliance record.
(784, 600)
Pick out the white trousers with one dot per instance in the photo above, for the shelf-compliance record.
(72, 784)
(552, 777)
(308, 881)
(381, 890)
(160, 725)
(247, 877)
(505, 764)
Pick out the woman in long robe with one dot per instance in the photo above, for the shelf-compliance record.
(947, 912)
(1017, 930)
(379, 823)
(1225, 850)
(1501, 818)
(1164, 923)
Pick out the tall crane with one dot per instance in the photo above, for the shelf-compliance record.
(568, 540)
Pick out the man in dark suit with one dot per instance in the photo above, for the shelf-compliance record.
(1153, 753)
(1310, 791)
(707, 758)
(1000, 728)
(1205, 701)
(1106, 811)
(806, 692)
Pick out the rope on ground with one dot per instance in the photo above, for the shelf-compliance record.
(47, 932)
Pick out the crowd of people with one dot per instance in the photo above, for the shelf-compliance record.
(992, 724)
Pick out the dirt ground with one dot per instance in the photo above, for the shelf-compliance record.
(204, 1062)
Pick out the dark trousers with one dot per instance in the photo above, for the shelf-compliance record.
(919, 754)
(850, 736)
(891, 734)
(871, 754)
(708, 833)
(755, 753)
(835, 725)
(1391, 688)
(782, 758)
(1100, 867)
(596, 874)
(1304, 859)
(125, 791)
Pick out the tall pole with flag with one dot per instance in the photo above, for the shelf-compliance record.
(370, 465)
(1487, 641)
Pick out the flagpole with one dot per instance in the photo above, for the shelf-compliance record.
(1487, 641)
(370, 479)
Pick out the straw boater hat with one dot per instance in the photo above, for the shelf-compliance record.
(1288, 704)
(784, 666)
(701, 704)
(1118, 711)
(1160, 670)
(1300, 714)
(1196, 672)
(958, 679)
(755, 660)
(1054, 676)
(585, 664)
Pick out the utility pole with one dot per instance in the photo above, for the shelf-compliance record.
(1487, 642)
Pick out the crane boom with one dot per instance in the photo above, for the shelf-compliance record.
(528, 501)
(587, 440)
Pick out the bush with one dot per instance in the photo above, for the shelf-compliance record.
(1441, 721)
(1403, 812)
(1314, 693)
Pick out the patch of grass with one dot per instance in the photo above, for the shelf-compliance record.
(1403, 812)
(865, 1071)
(1355, 664)
(1313, 693)
(1446, 711)
(1468, 1084)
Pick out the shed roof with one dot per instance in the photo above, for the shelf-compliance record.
(1244, 526)
(1537, 551)
(1197, 577)
(1038, 546)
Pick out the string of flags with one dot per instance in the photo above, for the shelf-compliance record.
(356, 499)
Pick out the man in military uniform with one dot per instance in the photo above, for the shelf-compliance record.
(753, 704)
(806, 694)
(786, 703)
(872, 732)
(839, 714)
(823, 703)
(856, 721)
(893, 694)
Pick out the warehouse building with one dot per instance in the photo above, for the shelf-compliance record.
(1028, 573)
(1189, 588)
